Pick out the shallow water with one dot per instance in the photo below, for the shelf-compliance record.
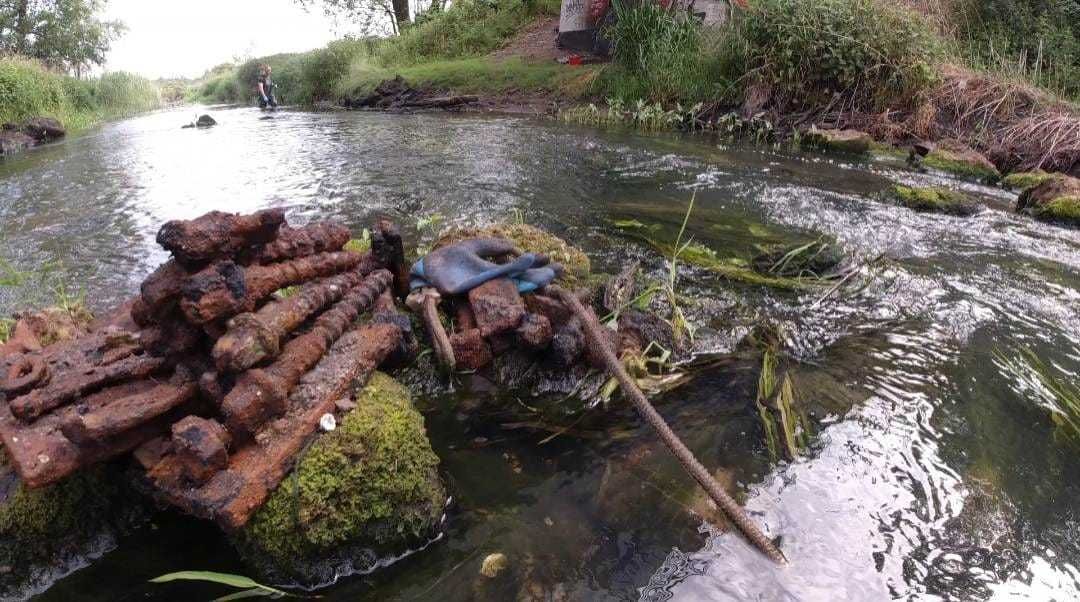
(932, 473)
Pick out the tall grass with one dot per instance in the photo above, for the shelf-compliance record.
(661, 54)
(28, 89)
(1033, 41)
(868, 53)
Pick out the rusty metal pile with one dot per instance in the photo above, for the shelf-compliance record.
(208, 378)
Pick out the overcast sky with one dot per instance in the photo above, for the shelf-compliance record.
(167, 39)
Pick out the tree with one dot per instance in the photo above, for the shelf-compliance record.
(64, 34)
(366, 13)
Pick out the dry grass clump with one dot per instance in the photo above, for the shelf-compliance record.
(1018, 126)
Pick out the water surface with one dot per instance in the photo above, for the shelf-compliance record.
(931, 474)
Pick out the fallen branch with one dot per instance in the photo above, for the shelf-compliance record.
(593, 331)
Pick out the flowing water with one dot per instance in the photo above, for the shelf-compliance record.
(932, 472)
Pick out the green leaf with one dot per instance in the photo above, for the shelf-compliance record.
(237, 581)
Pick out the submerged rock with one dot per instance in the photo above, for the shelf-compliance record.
(1026, 179)
(1056, 199)
(18, 137)
(937, 200)
(367, 490)
(47, 533)
(13, 141)
(205, 121)
(957, 158)
(847, 141)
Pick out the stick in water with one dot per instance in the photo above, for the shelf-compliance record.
(648, 412)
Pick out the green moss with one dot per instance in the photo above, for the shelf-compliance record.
(943, 160)
(844, 141)
(373, 482)
(53, 526)
(578, 268)
(936, 200)
(1064, 209)
(1026, 179)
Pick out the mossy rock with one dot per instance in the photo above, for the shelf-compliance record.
(1026, 179)
(956, 158)
(366, 490)
(578, 268)
(844, 141)
(935, 199)
(49, 532)
(1054, 200)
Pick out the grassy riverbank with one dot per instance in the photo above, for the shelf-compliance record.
(901, 71)
(27, 90)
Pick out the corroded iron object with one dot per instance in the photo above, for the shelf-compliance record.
(254, 337)
(225, 289)
(389, 251)
(73, 369)
(217, 234)
(87, 425)
(43, 455)
(294, 243)
(201, 446)
(159, 291)
(258, 465)
(260, 393)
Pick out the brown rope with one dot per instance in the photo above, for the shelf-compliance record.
(678, 448)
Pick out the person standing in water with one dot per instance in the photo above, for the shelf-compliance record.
(266, 88)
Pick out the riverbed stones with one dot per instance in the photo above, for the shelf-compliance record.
(937, 200)
(368, 489)
(955, 157)
(846, 141)
(1054, 200)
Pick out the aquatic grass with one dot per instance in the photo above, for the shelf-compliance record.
(733, 269)
(250, 588)
(775, 403)
(1055, 394)
(638, 114)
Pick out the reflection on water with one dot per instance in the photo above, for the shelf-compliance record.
(929, 476)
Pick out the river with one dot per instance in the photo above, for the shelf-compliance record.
(932, 471)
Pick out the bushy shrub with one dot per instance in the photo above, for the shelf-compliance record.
(869, 52)
(322, 69)
(663, 54)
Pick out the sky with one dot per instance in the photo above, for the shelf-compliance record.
(170, 39)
